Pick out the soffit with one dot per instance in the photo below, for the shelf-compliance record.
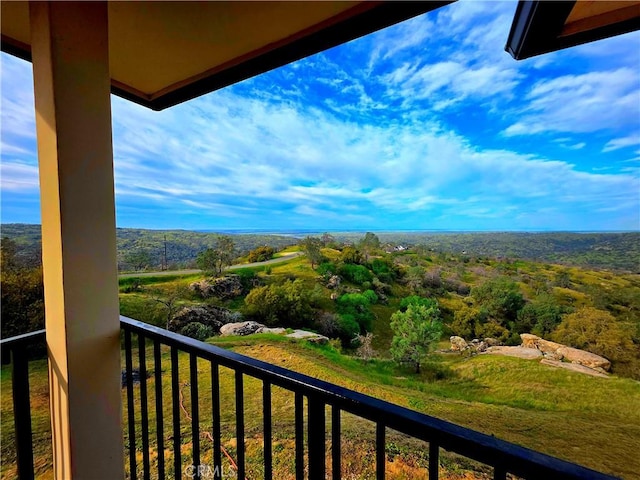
(163, 53)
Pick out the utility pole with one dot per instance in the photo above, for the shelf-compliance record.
(164, 262)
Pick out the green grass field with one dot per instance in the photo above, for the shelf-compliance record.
(591, 421)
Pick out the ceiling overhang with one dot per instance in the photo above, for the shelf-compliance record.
(545, 26)
(164, 53)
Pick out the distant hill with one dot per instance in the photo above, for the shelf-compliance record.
(182, 246)
(615, 251)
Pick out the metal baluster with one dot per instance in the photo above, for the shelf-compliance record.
(240, 423)
(195, 413)
(157, 369)
(266, 409)
(434, 461)
(144, 409)
(299, 421)
(316, 439)
(130, 412)
(499, 473)
(380, 451)
(335, 443)
(22, 411)
(215, 406)
(175, 396)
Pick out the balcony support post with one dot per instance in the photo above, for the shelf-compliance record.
(70, 51)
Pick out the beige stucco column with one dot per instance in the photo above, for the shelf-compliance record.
(73, 119)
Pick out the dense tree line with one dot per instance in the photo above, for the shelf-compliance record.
(139, 249)
(22, 291)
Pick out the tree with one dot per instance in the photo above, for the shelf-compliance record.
(311, 246)
(562, 279)
(365, 350)
(261, 254)
(207, 261)
(170, 300)
(415, 332)
(356, 306)
(369, 243)
(357, 274)
(540, 317)
(597, 331)
(138, 259)
(9, 251)
(351, 255)
(22, 293)
(501, 298)
(327, 239)
(214, 260)
(417, 300)
(280, 305)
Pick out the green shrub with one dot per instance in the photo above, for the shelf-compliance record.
(357, 274)
(326, 269)
(349, 328)
(287, 304)
(197, 330)
(261, 254)
(383, 269)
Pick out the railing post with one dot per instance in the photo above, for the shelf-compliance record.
(266, 413)
(22, 411)
(316, 439)
(380, 451)
(240, 424)
(336, 469)
(434, 460)
(299, 428)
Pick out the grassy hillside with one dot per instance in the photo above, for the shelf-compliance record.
(587, 420)
(448, 277)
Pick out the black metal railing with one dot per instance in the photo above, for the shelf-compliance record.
(503, 457)
(16, 350)
(323, 416)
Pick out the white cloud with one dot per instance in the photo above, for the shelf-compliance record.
(588, 102)
(232, 149)
(616, 143)
(18, 177)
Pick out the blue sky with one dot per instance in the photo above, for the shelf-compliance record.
(425, 125)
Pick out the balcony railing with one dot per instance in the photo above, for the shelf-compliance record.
(318, 411)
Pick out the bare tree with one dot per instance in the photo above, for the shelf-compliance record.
(170, 301)
(365, 350)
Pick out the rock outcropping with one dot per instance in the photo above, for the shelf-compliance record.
(226, 287)
(519, 352)
(213, 317)
(557, 351)
(240, 328)
(535, 348)
(249, 328)
(459, 344)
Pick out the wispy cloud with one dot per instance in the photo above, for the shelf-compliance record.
(616, 143)
(588, 102)
(17, 177)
